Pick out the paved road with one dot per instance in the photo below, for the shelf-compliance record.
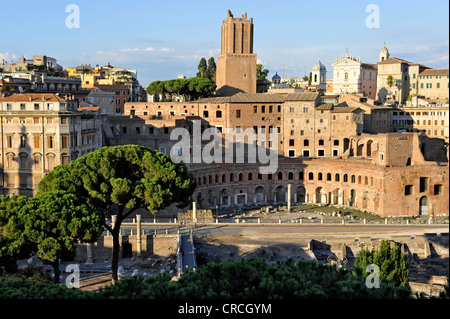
(188, 256)
(301, 230)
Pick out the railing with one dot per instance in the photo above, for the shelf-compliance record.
(291, 221)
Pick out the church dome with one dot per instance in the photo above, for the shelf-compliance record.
(319, 67)
(276, 77)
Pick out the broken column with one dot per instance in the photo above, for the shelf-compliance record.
(194, 212)
(138, 238)
(289, 197)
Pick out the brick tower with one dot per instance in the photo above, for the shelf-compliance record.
(236, 65)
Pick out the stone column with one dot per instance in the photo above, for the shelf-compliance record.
(138, 238)
(289, 197)
(194, 212)
(89, 258)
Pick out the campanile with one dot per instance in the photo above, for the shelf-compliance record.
(236, 64)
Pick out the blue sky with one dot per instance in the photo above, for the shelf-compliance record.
(161, 39)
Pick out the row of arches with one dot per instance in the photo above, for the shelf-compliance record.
(290, 176)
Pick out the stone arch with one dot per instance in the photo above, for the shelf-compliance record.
(280, 194)
(352, 198)
(320, 196)
(369, 148)
(224, 197)
(260, 195)
(300, 194)
(423, 206)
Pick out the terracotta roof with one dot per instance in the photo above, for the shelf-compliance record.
(434, 72)
(245, 98)
(345, 109)
(36, 97)
(302, 96)
(90, 108)
(325, 106)
(369, 66)
(393, 60)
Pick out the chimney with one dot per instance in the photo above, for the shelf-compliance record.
(43, 98)
(31, 98)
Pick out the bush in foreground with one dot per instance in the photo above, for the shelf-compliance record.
(244, 279)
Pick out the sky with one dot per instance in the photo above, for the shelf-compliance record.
(161, 39)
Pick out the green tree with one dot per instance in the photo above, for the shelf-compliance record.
(202, 68)
(390, 80)
(392, 262)
(310, 78)
(261, 72)
(211, 70)
(119, 180)
(49, 225)
(55, 222)
(13, 242)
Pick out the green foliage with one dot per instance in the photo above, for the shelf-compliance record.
(261, 72)
(390, 80)
(129, 176)
(194, 88)
(392, 262)
(119, 180)
(243, 279)
(202, 68)
(49, 224)
(211, 70)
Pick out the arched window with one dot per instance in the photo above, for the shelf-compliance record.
(280, 175)
(366, 180)
(231, 177)
(290, 175)
(345, 178)
(250, 176)
(216, 178)
(311, 176)
(241, 176)
(359, 179)
(329, 177)
(300, 176)
(353, 179)
(210, 179)
(219, 114)
(224, 178)
(319, 177)
(346, 76)
(337, 177)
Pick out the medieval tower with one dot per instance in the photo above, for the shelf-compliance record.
(236, 64)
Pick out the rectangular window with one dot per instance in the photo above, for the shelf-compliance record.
(36, 106)
(320, 152)
(50, 141)
(437, 189)
(22, 106)
(64, 141)
(423, 184)
(8, 106)
(305, 153)
(408, 190)
(37, 141)
(255, 109)
(291, 153)
(263, 109)
(335, 152)
(162, 150)
(238, 114)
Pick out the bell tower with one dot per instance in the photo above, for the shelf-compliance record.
(384, 53)
(236, 64)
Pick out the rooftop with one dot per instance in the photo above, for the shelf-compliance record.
(30, 97)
